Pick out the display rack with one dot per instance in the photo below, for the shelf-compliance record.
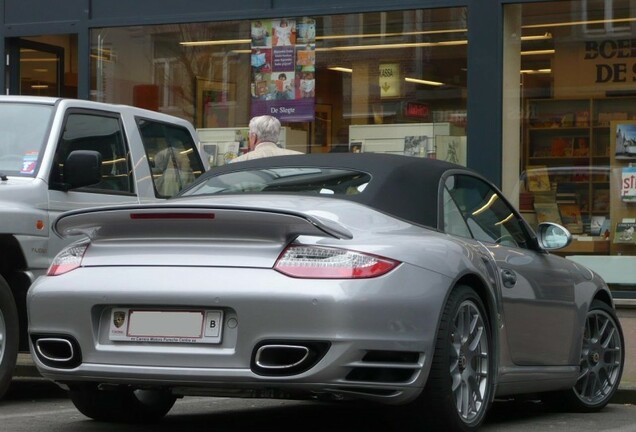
(570, 140)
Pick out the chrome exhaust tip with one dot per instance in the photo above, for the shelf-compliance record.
(285, 358)
(281, 356)
(57, 351)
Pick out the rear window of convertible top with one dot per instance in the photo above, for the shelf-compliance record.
(326, 181)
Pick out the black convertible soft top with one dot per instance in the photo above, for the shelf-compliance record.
(403, 186)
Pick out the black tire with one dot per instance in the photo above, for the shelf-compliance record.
(459, 389)
(602, 362)
(9, 336)
(121, 405)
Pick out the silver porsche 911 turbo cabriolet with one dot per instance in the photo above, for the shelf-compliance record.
(392, 279)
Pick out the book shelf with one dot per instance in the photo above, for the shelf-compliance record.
(622, 209)
(571, 140)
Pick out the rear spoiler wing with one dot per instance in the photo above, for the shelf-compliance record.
(194, 221)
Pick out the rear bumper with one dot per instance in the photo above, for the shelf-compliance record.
(378, 333)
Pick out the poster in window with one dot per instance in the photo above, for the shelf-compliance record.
(547, 212)
(628, 184)
(538, 178)
(623, 139)
(415, 145)
(283, 63)
(624, 233)
(451, 148)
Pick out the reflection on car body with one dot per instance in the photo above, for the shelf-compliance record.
(390, 279)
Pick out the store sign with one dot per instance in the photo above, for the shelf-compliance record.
(628, 184)
(417, 110)
(283, 63)
(614, 60)
(389, 80)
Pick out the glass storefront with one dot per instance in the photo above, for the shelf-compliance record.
(383, 81)
(570, 118)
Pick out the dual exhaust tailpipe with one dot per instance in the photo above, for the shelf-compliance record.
(269, 358)
(285, 358)
(59, 351)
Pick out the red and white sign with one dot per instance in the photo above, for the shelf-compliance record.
(628, 184)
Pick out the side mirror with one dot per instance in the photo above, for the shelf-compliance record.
(82, 168)
(553, 236)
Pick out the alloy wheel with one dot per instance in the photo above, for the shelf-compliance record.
(600, 358)
(469, 361)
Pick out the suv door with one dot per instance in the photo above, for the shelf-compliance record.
(99, 131)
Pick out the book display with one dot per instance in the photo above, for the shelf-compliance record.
(622, 196)
(571, 147)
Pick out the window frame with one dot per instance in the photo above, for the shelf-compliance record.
(122, 140)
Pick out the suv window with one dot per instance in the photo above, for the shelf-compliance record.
(172, 155)
(102, 133)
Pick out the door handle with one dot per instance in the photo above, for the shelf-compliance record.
(509, 278)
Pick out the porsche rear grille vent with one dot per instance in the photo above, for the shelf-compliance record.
(391, 356)
(386, 367)
(380, 375)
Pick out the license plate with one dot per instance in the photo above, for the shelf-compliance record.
(182, 326)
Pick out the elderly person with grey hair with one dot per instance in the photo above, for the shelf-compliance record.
(263, 136)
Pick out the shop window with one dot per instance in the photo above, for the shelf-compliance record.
(569, 69)
(392, 81)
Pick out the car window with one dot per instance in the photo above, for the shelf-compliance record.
(172, 155)
(102, 133)
(484, 212)
(454, 222)
(324, 181)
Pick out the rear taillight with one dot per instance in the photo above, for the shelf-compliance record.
(315, 262)
(68, 259)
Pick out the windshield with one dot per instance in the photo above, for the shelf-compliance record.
(23, 132)
(326, 181)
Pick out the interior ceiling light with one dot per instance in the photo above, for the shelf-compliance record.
(576, 23)
(216, 42)
(538, 52)
(42, 59)
(341, 69)
(535, 71)
(392, 46)
(544, 36)
(425, 82)
(330, 37)
(375, 35)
